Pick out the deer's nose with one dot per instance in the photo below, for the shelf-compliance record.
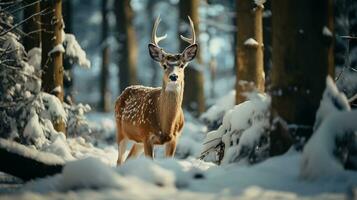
(173, 77)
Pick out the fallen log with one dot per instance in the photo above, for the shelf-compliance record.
(27, 163)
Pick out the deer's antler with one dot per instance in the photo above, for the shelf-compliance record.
(193, 39)
(154, 39)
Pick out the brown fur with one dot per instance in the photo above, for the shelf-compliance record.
(151, 116)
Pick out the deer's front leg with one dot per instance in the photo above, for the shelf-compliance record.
(148, 149)
(170, 148)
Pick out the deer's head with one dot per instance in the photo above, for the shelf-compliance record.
(172, 64)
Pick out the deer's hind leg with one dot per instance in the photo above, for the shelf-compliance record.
(122, 141)
(136, 150)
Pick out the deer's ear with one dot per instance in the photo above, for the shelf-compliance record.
(190, 52)
(156, 52)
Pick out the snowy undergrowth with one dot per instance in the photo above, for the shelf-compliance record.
(335, 136)
(27, 114)
(275, 178)
(214, 115)
(242, 137)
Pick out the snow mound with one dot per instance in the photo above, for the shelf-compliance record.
(214, 115)
(88, 173)
(241, 133)
(147, 170)
(318, 158)
(334, 122)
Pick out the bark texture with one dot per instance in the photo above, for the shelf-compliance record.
(302, 57)
(52, 56)
(128, 47)
(250, 65)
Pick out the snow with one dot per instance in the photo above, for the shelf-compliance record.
(145, 169)
(34, 58)
(242, 128)
(54, 109)
(318, 159)
(57, 48)
(33, 129)
(251, 42)
(216, 112)
(259, 2)
(334, 120)
(327, 32)
(332, 101)
(75, 51)
(30, 152)
(276, 178)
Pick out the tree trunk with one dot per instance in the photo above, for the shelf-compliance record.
(51, 37)
(104, 76)
(302, 58)
(33, 26)
(250, 66)
(194, 98)
(127, 40)
(155, 79)
(68, 80)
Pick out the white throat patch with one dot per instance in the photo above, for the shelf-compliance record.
(173, 87)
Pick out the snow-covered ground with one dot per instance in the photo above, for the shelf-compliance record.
(275, 178)
(93, 174)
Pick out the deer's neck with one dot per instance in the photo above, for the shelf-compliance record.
(170, 107)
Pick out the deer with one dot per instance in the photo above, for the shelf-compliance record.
(154, 116)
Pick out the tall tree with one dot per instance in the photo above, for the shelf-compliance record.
(104, 75)
(127, 40)
(249, 58)
(32, 27)
(52, 49)
(302, 58)
(155, 79)
(194, 98)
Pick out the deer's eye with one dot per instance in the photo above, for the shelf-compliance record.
(181, 65)
(164, 66)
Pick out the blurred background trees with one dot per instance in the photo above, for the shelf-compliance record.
(291, 63)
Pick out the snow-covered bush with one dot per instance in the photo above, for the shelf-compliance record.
(27, 114)
(243, 136)
(77, 123)
(333, 144)
(214, 115)
(20, 87)
(332, 101)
